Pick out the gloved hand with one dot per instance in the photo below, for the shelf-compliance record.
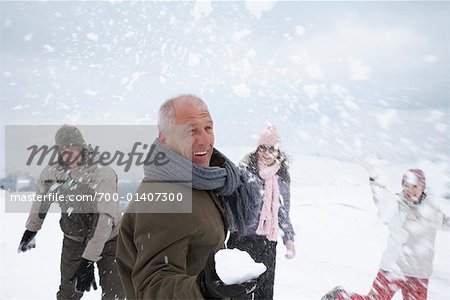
(27, 242)
(370, 168)
(213, 288)
(84, 276)
(290, 250)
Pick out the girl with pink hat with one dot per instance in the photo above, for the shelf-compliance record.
(269, 167)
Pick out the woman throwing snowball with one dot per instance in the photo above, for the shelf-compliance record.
(413, 219)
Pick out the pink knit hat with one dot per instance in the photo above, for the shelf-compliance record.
(270, 137)
(415, 177)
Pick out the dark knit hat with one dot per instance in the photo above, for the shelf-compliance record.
(69, 136)
(414, 177)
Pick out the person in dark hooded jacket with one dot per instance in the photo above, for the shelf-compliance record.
(268, 165)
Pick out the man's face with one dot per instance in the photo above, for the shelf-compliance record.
(192, 137)
(71, 156)
(412, 192)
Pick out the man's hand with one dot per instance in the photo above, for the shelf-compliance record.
(27, 242)
(290, 250)
(212, 287)
(84, 276)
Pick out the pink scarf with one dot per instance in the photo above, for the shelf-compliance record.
(268, 221)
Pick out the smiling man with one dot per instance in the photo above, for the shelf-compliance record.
(171, 255)
(192, 137)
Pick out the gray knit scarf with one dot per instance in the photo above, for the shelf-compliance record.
(237, 190)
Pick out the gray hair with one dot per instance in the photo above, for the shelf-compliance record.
(166, 114)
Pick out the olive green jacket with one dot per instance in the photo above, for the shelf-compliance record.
(159, 255)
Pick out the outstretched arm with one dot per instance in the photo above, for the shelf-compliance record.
(37, 214)
(39, 209)
(384, 199)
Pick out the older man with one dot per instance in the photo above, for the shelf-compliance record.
(171, 255)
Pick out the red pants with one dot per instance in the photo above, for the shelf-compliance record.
(385, 286)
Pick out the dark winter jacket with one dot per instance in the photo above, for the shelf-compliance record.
(92, 221)
(159, 255)
(249, 162)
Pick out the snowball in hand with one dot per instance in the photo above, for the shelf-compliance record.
(235, 266)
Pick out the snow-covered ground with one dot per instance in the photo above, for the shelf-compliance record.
(339, 238)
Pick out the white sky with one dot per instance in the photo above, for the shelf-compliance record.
(337, 78)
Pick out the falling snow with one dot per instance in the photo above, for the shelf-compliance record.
(339, 80)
